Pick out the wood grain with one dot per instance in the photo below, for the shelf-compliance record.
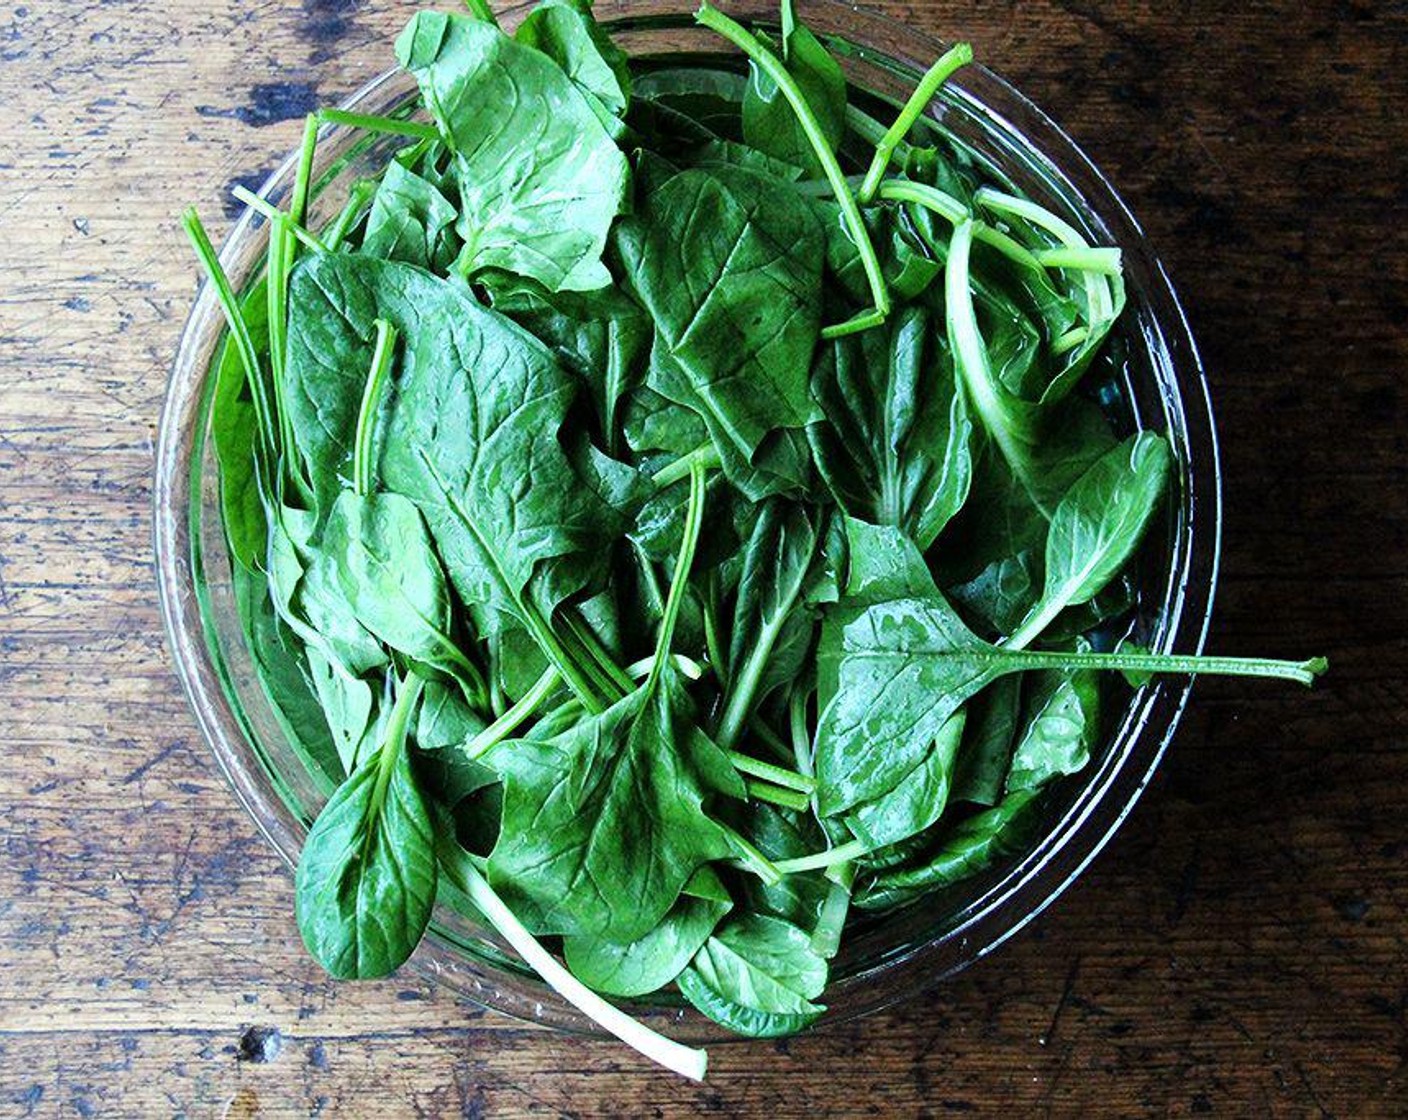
(1239, 949)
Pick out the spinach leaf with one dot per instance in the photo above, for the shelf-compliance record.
(349, 705)
(280, 664)
(604, 823)
(443, 729)
(918, 799)
(770, 124)
(472, 436)
(540, 179)
(901, 668)
(779, 465)
(781, 834)
(1060, 731)
(746, 1021)
(728, 263)
(410, 221)
(305, 590)
(388, 571)
(1000, 595)
(968, 849)
(777, 562)
(1098, 525)
(565, 31)
(652, 961)
(234, 431)
(894, 446)
(366, 877)
(602, 337)
(759, 963)
(994, 718)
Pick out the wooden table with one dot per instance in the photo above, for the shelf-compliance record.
(1240, 948)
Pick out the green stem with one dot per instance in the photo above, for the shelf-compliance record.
(862, 321)
(639, 670)
(1099, 299)
(826, 937)
(1106, 262)
(510, 721)
(278, 217)
(276, 293)
(745, 764)
(713, 642)
(801, 733)
(1069, 341)
(616, 677)
(970, 351)
(397, 728)
(772, 66)
(480, 9)
(602, 684)
(776, 795)
(361, 193)
(362, 474)
(959, 55)
(679, 580)
(239, 329)
(750, 858)
(649, 583)
(416, 129)
(953, 211)
(706, 456)
(852, 849)
(303, 176)
(460, 869)
(1302, 672)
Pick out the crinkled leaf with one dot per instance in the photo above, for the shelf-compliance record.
(604, 824)
(647, 964)
(763, 963)
(919, 798)
(410, 221)
(1062, 726)
(729, 265)
(894, 444)
(540, 179)
(967, 849)
(770, 124)
(566, 32)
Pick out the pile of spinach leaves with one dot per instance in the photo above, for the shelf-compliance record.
(672, 512)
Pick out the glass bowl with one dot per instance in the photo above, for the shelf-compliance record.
(1163, 385)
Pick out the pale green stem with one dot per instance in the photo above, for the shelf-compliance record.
(278, 217)
(360, 194)
(513, 718)
(362, 472)
(776, 795)
(746, 764)
(415, 129)
(239, 329)
(679, 582)
(706, 456)
(459, 866)
(959, 55)
(1301, 672)
(852, 849)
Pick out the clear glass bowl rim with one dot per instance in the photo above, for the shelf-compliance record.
(1025, 889)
